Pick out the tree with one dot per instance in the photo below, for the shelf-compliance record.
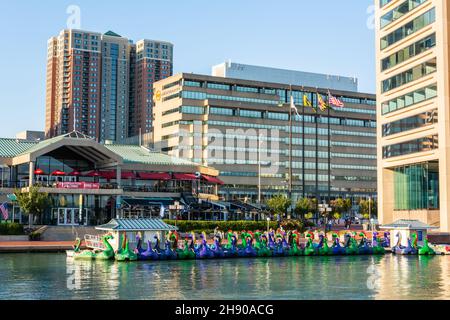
(279, 204)
(364, 209)
(305, 208)
(32, 202)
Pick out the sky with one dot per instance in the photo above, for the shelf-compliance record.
(323, 36)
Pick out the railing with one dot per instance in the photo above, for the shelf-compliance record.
(94, 242)
(54, 185)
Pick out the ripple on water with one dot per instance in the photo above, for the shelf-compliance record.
(52, 276)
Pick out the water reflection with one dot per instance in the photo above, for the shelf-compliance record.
(44, 276)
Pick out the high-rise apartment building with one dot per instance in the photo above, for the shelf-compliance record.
(73, 83)
(413, 110)
(153, 61)
(101, 85)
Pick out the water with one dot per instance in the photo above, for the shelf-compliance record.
(53, 276)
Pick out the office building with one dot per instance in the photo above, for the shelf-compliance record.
(242, 128)
(413, 127)
(300, 78)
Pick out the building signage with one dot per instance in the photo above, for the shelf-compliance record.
(78, 185)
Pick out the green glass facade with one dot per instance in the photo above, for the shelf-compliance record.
(416, 187)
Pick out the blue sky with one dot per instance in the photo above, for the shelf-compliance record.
(325, 36)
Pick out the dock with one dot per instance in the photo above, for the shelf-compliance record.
(36, 246)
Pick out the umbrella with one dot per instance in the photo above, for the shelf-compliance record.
(75, 173)
(58, 173)
(39, 172)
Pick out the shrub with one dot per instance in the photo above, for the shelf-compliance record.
(293, 225)
(34, 236)
(11, 229)
(209, 226)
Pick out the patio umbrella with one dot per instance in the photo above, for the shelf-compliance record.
(39, 172)
(75, 173)
(94, 174)
(58, 173)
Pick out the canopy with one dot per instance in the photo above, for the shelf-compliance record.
(185, 176)
(75, 173)
(58, 173)
(128, 175)
(155, 176)
(213, 180)
(39, 172)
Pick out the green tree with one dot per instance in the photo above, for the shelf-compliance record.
(305, 208)
(368, 209)
(279, 204)
(32, 202)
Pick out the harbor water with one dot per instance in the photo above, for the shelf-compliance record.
(53, 276)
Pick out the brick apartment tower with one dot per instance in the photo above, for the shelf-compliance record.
(153, 62)
(102, 85)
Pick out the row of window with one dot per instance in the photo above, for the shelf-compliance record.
(410, 123)
(409, 52)
(409, 99)
(410, 75)
(419, 145)
(384, 2)
(411, 27)
(399, 11)
(353, 167)
(283, 94)
(194, 95)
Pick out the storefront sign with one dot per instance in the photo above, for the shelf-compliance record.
(78, 185)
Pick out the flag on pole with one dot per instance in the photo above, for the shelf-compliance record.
(308, 103)
(162, 211)
(4, 210)
(334, 101)
(294, 107)
(322, 104)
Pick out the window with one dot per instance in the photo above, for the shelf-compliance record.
(410, 75)
(218, 86)
(221, 111)
(189, 83)
(419, 145)
(409, 52)
(411, 27)
(247, 89)
(384, 2)
(409, 99)
(192, 110)
(278, 116)
(250, 113)
(410, 123)
(416, 187)
(399, 11)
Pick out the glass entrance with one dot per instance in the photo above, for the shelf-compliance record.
(71, 216)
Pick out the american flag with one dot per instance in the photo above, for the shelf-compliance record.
(335, 101)
(4, 210)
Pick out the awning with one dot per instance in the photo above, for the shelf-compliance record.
(155, 176)
(128, 175)
(213, 180)
(185, 176)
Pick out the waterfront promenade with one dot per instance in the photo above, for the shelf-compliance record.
(36, 246)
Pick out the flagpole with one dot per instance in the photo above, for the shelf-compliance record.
(290, 145)
(303, 151)
(317, 162)
(329, 149)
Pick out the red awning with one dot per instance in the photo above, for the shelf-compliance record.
(184, 176)
(128, 175)
(93, 174)
(155, 176)
(109, 175)
(213, 180)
